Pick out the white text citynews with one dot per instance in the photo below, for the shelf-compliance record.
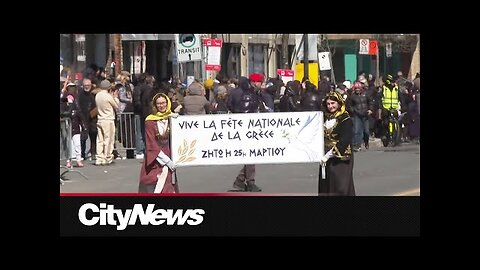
(108, 215)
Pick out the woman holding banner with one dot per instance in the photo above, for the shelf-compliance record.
(157, 174)
(338, 161)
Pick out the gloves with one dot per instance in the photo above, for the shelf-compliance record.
(171, 165)
(330, 123)
(326, 157)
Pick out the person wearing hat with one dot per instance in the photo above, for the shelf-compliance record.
(209, 95)
(69, 109)
(69, 89)
(338, 160)
(195, 102)
(290, 101)
(78, 126)
(107, 106)
(245, 99)
(220, 106)
(388, 102)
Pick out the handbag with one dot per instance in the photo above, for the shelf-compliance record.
(93, 113)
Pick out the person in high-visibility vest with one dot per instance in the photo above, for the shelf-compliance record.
(389, 101)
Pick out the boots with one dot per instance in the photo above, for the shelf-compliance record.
(239, 185)
(252, 187)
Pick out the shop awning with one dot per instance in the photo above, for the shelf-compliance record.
(138, 37)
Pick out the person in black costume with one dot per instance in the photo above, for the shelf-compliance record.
(338, 160)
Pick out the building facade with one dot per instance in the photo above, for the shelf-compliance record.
(241, 54)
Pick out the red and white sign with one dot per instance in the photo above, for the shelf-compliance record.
(285, 72)
(368, 46)
(213, 49)
(364, 46)
(373, 47)
(286, 75)
(212, 42)
(213, 67)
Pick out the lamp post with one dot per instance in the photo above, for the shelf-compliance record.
(305, 56)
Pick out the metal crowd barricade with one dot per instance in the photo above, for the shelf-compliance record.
(125, 134)
(66, 147)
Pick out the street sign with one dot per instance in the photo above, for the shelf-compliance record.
(324, 60)
(364, 46)
(373, 47)
(188, 47)
(214, 47)
(286, 75)
(388, 49)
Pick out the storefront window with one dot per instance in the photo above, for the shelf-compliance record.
(256, 58)
(80, 51)
(66, 53)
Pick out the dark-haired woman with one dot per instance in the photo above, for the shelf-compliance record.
(338, 160)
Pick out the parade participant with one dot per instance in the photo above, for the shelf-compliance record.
(338, 160)
(157, 172)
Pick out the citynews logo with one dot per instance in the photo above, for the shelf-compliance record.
(90, 214)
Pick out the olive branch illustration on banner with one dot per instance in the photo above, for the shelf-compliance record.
(186, 152)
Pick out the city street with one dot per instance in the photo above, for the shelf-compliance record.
(379, 171)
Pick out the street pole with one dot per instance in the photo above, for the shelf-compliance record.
(305, 56)
(118, 53)
(285, 51)
(415, 64)
(204, 61)
(244, 56)
(213, 73)
(378, 62)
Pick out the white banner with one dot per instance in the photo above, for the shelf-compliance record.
(247, 138)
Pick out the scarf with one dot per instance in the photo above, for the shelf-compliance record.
(333, 95)
(160, 115)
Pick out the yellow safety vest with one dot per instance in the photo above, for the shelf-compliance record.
(390, 97)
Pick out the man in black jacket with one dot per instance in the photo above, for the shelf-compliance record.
(246, 99)
(360, 106)
(86, 103)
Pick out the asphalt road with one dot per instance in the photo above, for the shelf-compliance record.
(378, 171)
